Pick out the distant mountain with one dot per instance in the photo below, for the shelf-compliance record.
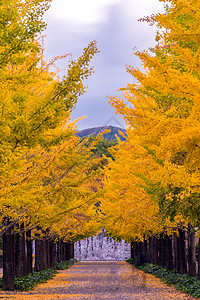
(110, 135)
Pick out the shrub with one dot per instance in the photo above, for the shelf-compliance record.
(65, 264)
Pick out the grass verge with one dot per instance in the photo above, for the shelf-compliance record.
(183, 282)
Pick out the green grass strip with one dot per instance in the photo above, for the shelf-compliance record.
(183, 282)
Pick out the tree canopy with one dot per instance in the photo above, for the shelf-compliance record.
(160, 190)
(46, 179)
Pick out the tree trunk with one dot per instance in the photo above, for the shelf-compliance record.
(8, 260)
(137, 254)
(61, 255)
(159, 249)
(154, 250)
(20, 254)
(63, 248)
(142, 252)
(29, 252)
(181, 253)
(191, 251)
(149, 250)
(69, 250)
(47, 247)
(199, 259)
(40, 255)
(145, 251)
(59, 252)
(174, 250)
(132, 251)
(164, 251)
(169, 256)
(52, 247)
(72, 251)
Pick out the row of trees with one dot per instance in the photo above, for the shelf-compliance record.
(19, 257)
(48, 176)
(50, 180)
(178, 251)
(152, 186)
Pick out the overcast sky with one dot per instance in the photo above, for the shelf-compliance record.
(72, 24)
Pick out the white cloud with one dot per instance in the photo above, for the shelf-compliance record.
(81, 11)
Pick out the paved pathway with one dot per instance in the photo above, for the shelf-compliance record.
(101, 280)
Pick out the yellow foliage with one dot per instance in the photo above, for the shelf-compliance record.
(153, 184)
(46, 172)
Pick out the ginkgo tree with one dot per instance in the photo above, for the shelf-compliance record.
(45, 171)
(162, 150)
(34, 104)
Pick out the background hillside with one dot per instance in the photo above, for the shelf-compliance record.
(95, 130)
